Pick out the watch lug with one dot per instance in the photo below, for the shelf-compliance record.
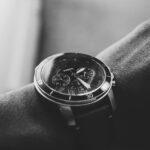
(113, 80)
(112, 99)
(113, 83)
(67, 113)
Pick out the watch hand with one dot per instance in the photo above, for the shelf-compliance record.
(84, 83)
(69, 69)
(80, 70)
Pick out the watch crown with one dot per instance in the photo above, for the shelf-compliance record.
(113, 83)
(112, 75)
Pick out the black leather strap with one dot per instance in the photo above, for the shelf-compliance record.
(95, 125)
(103, 106)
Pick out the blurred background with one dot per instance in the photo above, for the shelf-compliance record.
(31, 30)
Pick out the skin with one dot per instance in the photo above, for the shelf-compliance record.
(30, 122)
(129, 60)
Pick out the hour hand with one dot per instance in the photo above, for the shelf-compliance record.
(87, 85)
(80, 70)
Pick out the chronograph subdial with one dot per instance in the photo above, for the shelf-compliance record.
(60, 80)
(76, 87)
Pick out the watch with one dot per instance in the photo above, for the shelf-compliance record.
(79, 84)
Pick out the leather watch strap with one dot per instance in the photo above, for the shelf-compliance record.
(96, 126)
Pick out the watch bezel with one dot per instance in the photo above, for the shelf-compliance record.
(71, 100)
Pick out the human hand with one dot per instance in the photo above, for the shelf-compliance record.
(129, 60)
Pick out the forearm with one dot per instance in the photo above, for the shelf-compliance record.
(129, 52)
(129, 60)
(28, 121)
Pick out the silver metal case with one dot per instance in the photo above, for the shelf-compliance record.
(67, 101)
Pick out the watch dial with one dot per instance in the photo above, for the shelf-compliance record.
(73, 74)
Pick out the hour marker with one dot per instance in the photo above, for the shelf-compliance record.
(69, 97)
(51, 92)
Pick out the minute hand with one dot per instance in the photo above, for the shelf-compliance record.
(84, 83)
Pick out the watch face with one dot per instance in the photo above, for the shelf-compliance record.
(73, 79)
(73, 74)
